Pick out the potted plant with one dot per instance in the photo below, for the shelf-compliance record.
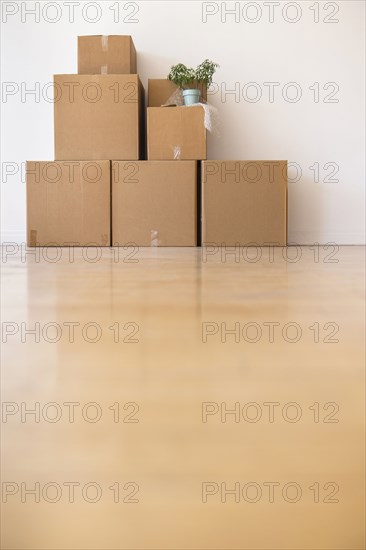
(187, 79)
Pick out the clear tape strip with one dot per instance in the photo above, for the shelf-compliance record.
(176, 152)
(154, 241)
(104, 43)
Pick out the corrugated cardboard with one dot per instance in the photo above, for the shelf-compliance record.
(176, 133)
(154, 203)
(244, 202)
(159, 91)
(113, 54)
(98, 117)
(68, 203)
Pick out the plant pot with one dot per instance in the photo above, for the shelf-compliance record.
(191, 97)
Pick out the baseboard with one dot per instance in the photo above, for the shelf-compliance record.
(14, 237)
(295, 237)
(311, 237)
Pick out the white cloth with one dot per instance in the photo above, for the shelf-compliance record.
(212, 119)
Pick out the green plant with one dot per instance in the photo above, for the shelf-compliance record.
(181, 75)
(184, 76)
(205, 72)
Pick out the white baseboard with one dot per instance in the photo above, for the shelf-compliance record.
(295, 237)
(14, 237)
(311, 237)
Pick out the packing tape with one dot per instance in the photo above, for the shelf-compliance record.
(104, 69)
(33, 238)
(154, 241)
(104, 43)
(176, 152)
(104, 239)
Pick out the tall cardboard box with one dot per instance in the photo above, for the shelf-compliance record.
(68, 203)
(176, 133)
(159, 91)
(98, 117)
(154, 203)
(101, 54)
(244, 202)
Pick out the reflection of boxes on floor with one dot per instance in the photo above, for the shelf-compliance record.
(176, 133)
(114, 54)
(154, 203)
(98, 117)
(68, 203)
(159, 91)
(244, 202)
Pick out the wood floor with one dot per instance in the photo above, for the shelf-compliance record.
(183, 399)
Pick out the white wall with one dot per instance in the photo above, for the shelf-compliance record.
(304, 132)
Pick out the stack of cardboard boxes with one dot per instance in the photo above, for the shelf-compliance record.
(100, 190)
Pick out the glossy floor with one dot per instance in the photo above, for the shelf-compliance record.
(183, 399)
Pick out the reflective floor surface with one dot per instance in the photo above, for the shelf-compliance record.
(183, 399)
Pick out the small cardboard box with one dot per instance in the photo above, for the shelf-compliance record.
(176, 133)
(114, 54)
(244, 202)
(154, 203)
(159, 91)
(68, 203)
(98, 117)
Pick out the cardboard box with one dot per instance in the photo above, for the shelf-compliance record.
(159, 91)
(114, 54)
(98, 117)
(176, 133)
(68, 203)
(154, 203)
(244, 202)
